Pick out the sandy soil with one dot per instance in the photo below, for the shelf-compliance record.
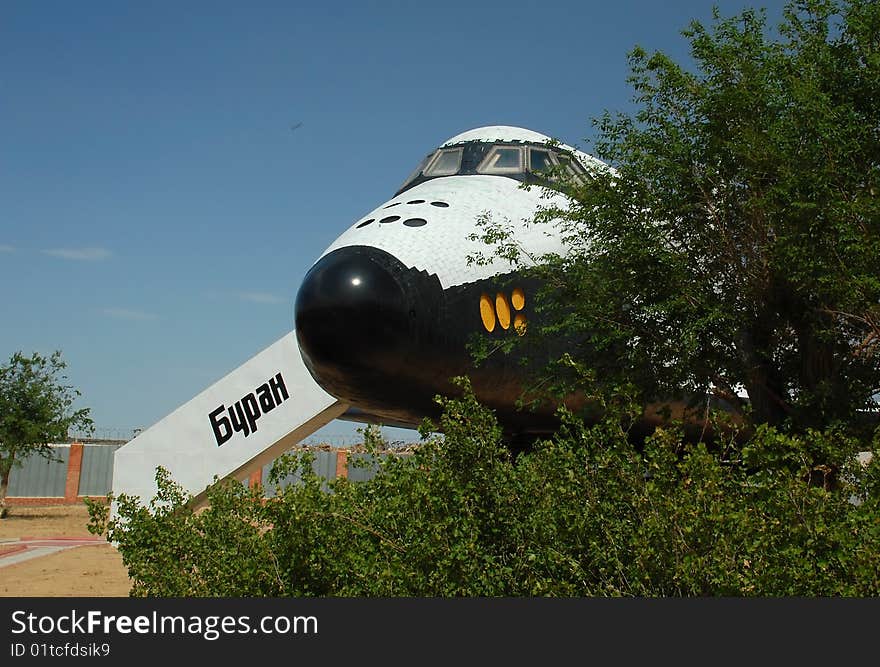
(50, 521)
(85, 571)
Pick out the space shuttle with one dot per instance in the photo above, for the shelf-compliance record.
(383, 318)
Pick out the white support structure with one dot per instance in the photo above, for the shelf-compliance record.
(234, 427)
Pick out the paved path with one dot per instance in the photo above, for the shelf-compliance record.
(25, 548)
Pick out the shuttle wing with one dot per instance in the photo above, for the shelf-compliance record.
(243, 421)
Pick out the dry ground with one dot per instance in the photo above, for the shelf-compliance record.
(87, 571)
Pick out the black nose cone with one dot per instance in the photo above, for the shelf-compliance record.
(352, 319)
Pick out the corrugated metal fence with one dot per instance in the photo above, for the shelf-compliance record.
(74, 470)
(96, 475)
(78, 470)
(41, 477)
(357, 467)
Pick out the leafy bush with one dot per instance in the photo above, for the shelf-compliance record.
(586, 513)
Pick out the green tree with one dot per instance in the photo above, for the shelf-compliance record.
(736, 241)
(36, 408)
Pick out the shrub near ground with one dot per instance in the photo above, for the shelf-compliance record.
(584, 514)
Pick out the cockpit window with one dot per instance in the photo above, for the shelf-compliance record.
(545, 164)
(572, 167)
(539, 160)
(556, 166)
(502, 160)
(418, 170)
(446, 163)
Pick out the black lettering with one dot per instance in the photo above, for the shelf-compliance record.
(278, 388)
(236, 416)
(251, 411)
(218, 425)
(243, 415)
(267, 403)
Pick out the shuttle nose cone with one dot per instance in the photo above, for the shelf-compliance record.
(351, 318)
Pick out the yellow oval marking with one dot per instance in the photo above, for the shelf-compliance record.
(519, 323)
(502, 308)
(487, 313)
(518, 298)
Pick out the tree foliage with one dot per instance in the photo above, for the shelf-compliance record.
(735, 242)
(36, 408)
(583, 514)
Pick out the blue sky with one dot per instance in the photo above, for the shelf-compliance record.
(157, 210)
